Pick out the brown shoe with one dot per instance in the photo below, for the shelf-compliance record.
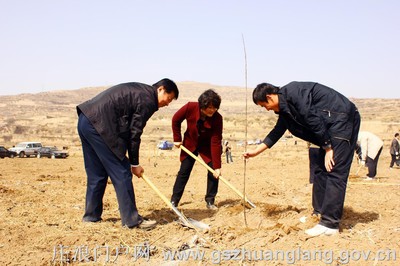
(147, 224)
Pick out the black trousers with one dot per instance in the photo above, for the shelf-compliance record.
(329, 188)
(372, 164)
(313, 155)
(183, 177)
(394, 160)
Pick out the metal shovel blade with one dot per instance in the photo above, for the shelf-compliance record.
(198, 224)
(189, 222)
(194, 224)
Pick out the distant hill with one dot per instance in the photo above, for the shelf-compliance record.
(51, 116)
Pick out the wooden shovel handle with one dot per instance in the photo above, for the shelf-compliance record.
(183, 217)
(156, 190)
(220, 177)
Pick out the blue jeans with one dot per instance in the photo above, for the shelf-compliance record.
(228, 156)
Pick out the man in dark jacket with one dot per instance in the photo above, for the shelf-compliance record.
(110, 125)
(324, 117)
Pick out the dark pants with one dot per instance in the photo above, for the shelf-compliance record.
(101, 163)
(329, 188)
(394, 160)
(313, 155)
(372, 164)
(183, 177)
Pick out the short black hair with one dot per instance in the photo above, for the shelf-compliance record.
(396, 135)
(262, 90)
(209, 97)
(169, 86)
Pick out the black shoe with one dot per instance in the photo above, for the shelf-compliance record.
(91, 220)
(174, 204)
(211, 206)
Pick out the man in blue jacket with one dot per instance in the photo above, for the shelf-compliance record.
(326, 118)
(110, 125)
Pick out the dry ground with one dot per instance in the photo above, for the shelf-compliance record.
(42, 201)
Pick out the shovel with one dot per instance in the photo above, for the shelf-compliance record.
(358, 170)
(220, 177)
(188, 222)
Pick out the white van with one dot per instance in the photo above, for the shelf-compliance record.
(26, 148)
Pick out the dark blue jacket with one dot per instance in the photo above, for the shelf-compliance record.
(119, 115)
(313, 112)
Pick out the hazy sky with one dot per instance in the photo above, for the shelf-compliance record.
(351, 46)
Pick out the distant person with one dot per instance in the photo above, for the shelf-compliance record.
(326, 118)
(203, 136)
(110, 125)
(228, 152)
(369, 147)
(394, 150)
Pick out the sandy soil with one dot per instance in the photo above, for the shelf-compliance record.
(42, 200)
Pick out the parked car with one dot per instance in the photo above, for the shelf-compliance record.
(249, 142)
(240, 143)
(52, 152)
(165, 145)
(254, 142)
(6, 153)
(26, 148)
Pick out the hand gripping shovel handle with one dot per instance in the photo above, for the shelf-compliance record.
(220, 177)
(180, 215)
